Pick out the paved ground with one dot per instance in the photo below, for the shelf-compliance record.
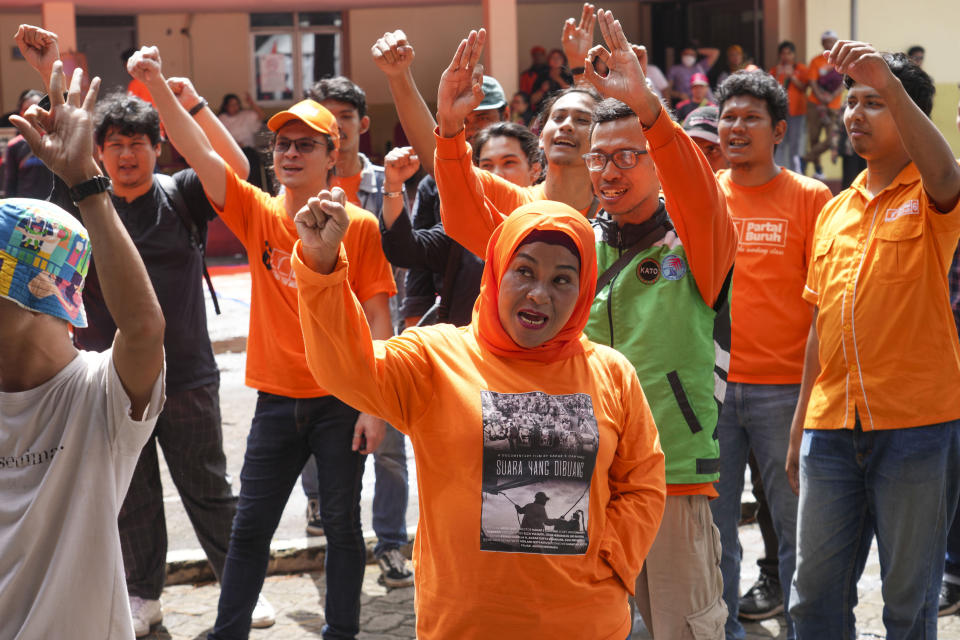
(190, 610)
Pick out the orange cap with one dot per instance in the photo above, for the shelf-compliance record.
(311, 113)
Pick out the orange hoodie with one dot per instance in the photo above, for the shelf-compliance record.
(561, 434)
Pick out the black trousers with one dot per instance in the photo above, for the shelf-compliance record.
(188, 431)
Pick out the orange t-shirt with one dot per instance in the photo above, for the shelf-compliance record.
(819, 66)
(770, 320)
(797, 97)
(350, 186)
(448, 392)
(888, 342)
(276, 361)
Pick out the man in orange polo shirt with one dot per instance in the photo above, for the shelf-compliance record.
(877, 428)
(294, 416)
(774, 210)
(826, 99)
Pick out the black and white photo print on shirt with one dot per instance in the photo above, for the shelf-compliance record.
(539, 452)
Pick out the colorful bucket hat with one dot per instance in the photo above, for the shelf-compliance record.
(44, 255)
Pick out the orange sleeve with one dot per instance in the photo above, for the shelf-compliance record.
(369, 272)
(695, 203)
(473, 202)
(637, 489)
(238, 204)
(389, 379)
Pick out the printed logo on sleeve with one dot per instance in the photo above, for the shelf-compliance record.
(539, 452)
(908, 208)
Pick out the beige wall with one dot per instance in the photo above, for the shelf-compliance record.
(543, 23)
(15, 75)
(931, 23)
(216, 54)
(435, 33)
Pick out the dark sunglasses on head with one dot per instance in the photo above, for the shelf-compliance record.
(622, 159)
(303, 145)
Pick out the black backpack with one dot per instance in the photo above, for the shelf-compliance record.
(198, 235)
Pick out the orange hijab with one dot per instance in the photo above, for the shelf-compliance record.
(543, 215)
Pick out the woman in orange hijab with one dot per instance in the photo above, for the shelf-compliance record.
(541, 480)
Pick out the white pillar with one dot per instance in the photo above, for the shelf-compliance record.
(60, 17)
(500, 53)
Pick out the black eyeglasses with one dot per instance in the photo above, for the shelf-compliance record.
(622, 159)
(303, 145)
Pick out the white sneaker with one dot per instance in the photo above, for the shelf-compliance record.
(264, 615)
(145, 613)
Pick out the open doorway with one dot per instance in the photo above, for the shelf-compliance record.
(711, 23)
(103, 40)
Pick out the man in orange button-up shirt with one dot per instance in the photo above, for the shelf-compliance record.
(877, 427)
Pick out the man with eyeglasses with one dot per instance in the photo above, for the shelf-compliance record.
(294, 417)
(664, 263)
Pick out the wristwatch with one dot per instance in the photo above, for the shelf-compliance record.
(93, 186)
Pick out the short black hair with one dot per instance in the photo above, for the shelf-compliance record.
(546, 105)
(787, 44)
(227, 98)
(341, 89)
(608, 110)
(915, 49)
(758, 84)
(129, 115)
(529, 143)
(916, 82)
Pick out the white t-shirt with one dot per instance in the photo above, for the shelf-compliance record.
(68, 449)
(242, 126)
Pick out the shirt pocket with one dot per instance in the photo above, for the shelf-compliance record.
(821, 249)
(899, 256)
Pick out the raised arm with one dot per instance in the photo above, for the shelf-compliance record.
(217, 134)
(924, 143)
(694, 200)
(341, 350)
(394, 54)
(39, 48)
(63, 139)
(577, 39)
(474, 201)
(184, 132)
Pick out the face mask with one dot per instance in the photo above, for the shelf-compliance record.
(688, 61)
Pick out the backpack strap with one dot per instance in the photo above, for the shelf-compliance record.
(169, 187)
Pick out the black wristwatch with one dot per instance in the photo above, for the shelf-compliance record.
(93, 186)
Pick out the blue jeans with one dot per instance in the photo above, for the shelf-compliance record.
(896, 483)
(390, 491)
(757, 417)
(284, 432)
(789, 152)
(952, 567)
